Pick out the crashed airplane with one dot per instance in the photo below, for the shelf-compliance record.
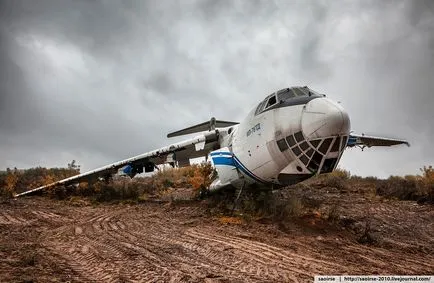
(290, 136)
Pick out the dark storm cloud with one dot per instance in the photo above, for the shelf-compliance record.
(103, 80)
(311, 43)
(420, 10)
(10, 77)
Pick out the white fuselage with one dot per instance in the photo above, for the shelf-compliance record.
(283, 145)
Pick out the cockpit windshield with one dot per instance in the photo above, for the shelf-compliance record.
(285, 94)
(301, 91)
(287, 97)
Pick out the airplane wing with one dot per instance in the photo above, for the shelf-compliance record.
(180, 152)
(368, 141)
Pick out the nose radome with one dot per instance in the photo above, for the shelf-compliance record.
(323, 117)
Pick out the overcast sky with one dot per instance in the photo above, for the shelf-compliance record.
(100, 81)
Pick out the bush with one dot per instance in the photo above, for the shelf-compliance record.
(341, 174)
(269, 204)
(418, 188)
(334, 214)
(398, 187)
(196, 176)
(331, 180)
(16, 180)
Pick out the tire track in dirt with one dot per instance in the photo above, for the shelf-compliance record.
(153, 244)
(103, 251)
(382, 257)
(88, 256)
(105, 241)
(188, 250)
(211, 256)
(7, 218)
(218, 260)
(184, 260)
(48, 215)
(270, 255)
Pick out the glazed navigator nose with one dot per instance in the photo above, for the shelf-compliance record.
(324, 118)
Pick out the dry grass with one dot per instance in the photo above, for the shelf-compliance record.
(230, 220)
(260, 202)
(140, 189)
(197, 176)
(418, 188)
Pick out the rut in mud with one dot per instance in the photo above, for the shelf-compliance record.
(46, 240)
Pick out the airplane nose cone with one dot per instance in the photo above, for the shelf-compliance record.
(323, 117)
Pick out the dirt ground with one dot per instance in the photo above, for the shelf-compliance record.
(46, 240)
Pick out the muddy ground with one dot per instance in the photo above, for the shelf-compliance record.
(47, 240)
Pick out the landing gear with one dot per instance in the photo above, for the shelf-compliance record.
(108, 178)
(238, 192)
(203, 193)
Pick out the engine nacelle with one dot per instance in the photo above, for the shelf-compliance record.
(133, 169)
(149, 167)
(227, 172)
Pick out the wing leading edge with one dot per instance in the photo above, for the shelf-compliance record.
(182, 151)
(368, 141)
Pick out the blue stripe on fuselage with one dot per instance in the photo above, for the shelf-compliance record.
(230, 159)
(218, 160)
(221, 153)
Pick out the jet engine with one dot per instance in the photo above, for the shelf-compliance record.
(133, 169)
(227, 172)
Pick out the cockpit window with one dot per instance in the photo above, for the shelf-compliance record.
(285, 94)
(299, 91)
(259, 108)
(267, 102)
(312, 92)
(287, 97)
(271, 101)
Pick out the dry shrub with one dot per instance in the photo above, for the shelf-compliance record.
(305, 192)
(230, 220)
(112, 192)
(338, 180)
(14, 180)
(366, 236)
(197, 176)
(5, 194)
(221, 202)
(341, 174)
(8, 182)
(334, 214)
(397, 187)
(428, 182)
(271, 204)
(418, 188)
(140, 188)
(121, 188)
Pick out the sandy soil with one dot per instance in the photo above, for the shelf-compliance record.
(44, 240)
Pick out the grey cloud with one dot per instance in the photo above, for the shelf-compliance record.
(419, 10)
(103, 80)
